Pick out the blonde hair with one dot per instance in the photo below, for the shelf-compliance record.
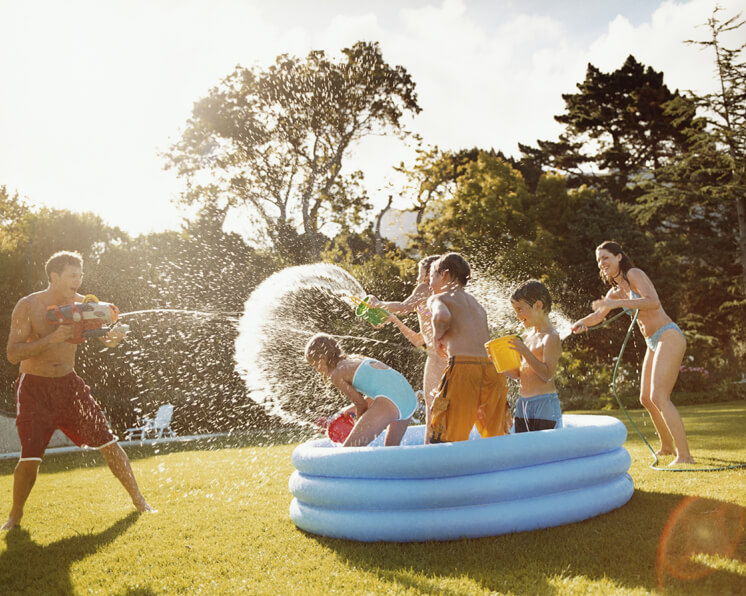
(324, 346)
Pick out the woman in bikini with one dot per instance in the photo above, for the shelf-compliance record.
(632, 290)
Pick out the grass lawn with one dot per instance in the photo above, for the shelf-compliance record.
(223, 528)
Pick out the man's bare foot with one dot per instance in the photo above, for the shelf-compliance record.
(13, 522)
(682, 460)
(665, 451)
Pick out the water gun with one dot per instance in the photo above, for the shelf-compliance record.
(374, 315)
(89, 318)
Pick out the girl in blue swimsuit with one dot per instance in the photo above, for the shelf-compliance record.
(380, 396)
(632, 290)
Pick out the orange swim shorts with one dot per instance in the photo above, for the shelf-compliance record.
(470, 392)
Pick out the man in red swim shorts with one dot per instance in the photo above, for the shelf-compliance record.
(49, 395)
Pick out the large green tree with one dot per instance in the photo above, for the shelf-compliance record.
(275, 140)
(617, 132)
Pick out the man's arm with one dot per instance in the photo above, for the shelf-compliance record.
(115, 335)
(19, 348)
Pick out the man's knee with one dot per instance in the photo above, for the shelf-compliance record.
(27, 469)
(646, 402)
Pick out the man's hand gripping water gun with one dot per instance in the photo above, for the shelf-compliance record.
(89, 318)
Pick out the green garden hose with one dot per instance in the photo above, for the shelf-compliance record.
(654, 465)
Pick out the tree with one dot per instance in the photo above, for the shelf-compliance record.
(616, 130)
(726, 118)
(432, 176)
(487, 209)
(695, 207)
(275, 140)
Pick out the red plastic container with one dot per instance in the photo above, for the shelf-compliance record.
(339, 427)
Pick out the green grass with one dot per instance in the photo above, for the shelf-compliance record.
(223, 528)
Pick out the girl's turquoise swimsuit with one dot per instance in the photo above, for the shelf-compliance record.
(386, 382)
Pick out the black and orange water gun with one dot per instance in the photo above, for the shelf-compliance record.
(89, 318)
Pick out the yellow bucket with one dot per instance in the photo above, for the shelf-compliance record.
(502, 356)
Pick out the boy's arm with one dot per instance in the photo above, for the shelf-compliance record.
(514, 374)
(552, 348)
(19, 348)
(415, 337)
(406, 306)
(441, 322)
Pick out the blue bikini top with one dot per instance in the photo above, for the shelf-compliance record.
(632, 294)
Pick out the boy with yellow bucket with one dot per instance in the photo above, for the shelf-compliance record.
(538, 407)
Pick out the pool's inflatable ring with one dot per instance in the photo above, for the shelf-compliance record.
(480, 487)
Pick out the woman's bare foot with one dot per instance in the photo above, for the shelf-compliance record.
(665, 451)
(682, 460)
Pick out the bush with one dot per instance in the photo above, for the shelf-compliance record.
(693, 379)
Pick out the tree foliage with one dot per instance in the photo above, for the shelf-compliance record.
(617, 132)
(726, 121)
(275, 140)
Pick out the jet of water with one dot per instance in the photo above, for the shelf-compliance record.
(279, 317)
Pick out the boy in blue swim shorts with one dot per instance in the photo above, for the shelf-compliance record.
(538, 407)
(380, 396)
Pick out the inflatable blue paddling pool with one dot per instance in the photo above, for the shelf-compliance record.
(468, 489)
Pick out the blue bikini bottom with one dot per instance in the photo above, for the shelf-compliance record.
(653, 340)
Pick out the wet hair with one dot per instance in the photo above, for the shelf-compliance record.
(530, 292)
(456, 265)
(616, 249)
(426, 262)
(324, 346)
(59, 260)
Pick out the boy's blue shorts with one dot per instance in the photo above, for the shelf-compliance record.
(541, 412)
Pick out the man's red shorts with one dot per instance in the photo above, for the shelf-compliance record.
(44, 404)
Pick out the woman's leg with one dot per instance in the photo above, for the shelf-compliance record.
(378, 416)
(668, 357)
(646, 381)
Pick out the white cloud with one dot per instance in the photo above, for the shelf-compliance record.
(91, 91)
(660, 43)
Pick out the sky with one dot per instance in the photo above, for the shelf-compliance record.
(92, 93)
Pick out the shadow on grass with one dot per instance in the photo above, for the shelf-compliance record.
(620, 547)
(45, 569)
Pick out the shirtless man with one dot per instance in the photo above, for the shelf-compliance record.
(435, 363)
(471, 391)
(49, 394)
